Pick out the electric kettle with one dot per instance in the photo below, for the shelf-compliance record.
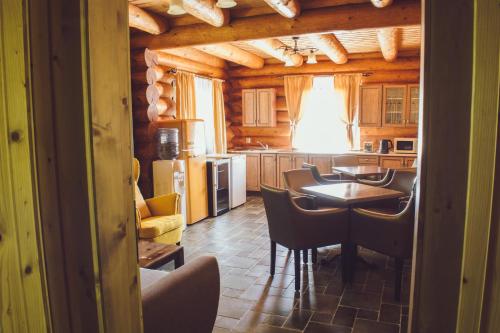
(384, 146)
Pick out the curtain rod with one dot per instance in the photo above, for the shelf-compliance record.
(175, 70)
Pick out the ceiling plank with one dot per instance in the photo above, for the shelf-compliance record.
(196, 55)
(286, 8)
(207, 11)
(275, 48)
(350, 17)
(144, 21)
(353, 66)
(330, 45)
(388, 39)
(234, 54)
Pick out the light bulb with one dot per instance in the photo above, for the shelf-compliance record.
(176, 8)
(288, 62)
(311, 58)
(226, 3)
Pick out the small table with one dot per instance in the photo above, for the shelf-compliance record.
(361, 171)
(154, 255)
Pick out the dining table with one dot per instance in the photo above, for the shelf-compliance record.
(361, 171)
(350, 195)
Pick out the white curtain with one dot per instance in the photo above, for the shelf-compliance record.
(205, 109)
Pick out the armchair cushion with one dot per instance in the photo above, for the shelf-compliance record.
(155, 226)
(167, 204)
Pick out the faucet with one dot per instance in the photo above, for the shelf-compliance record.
(265, 146)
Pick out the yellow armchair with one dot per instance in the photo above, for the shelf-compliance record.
(158, 219)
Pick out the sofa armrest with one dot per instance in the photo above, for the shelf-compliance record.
(186, 300)
(164, 205)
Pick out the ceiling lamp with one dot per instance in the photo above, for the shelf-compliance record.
(176, 8)
(289, 51)
(381, 3)
(311, 58)
(226, 3)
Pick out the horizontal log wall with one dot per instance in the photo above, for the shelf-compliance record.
(279, 136)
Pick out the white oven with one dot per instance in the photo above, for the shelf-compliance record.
(405, 145)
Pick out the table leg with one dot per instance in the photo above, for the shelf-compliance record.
(179, 259)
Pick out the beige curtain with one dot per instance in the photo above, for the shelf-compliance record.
(295, 89)
(347, 94)
(219, 118)
(186, 101)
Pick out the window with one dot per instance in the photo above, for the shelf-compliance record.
(321, 128)
(205, 109)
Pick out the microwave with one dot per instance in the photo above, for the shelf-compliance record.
(405, 145)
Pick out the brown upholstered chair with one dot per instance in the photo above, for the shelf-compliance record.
(321, 178)
(183, 301)
(296, 179)
(386, 179)
(390, 234)
(300, 229)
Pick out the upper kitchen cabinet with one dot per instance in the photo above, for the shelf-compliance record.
(370, 105)
(259, 107)
(413, 103)
(394, 105)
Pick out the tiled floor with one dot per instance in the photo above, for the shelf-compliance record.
(252, 301)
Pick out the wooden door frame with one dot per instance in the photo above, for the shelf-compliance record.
(458, 137)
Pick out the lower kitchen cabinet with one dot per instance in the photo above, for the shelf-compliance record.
(268, 172)
(392, 162)
(253, 172)
(409, 161)
(323, 162)
(285, 163)
(298, 160)
(367, 160)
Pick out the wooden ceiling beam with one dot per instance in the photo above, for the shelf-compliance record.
(388, 39)
(196, 55)
(353, 66)
(234, 54)
(330, 45)
(323, 20)
(207, 11)
(275, 48)
(145, 21)
(286, 8)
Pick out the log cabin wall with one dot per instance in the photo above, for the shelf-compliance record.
(279, 136)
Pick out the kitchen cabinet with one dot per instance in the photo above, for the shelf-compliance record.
(370, 110)
(413, 104)
(285, 163)
(253, 172)
(367, 160)
(409, 161)
(299, 159)
(268, 172)
(258, 107)
(392, 162)
(323, 162)
(394, 105)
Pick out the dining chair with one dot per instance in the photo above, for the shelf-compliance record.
(389, 234)
(321, 178)
(296, 228)
(296, 179)
(386, 179)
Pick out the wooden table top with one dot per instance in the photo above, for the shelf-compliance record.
(153, 254)
(351, 193)
(361, 170)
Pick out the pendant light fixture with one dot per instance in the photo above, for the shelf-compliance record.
(176, 8)
(226, 3)
(311, 58)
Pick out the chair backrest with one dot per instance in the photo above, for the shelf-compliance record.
(403, 181)
(345, 160)
(278, 211)
(314, 171)
(298, 178)
(140, 203)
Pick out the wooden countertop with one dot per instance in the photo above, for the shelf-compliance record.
(288, 151)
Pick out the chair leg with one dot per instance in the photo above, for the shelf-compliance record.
(305, 255)
(296, 254)
(314, 255)
(398, 278)
(273, 257)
